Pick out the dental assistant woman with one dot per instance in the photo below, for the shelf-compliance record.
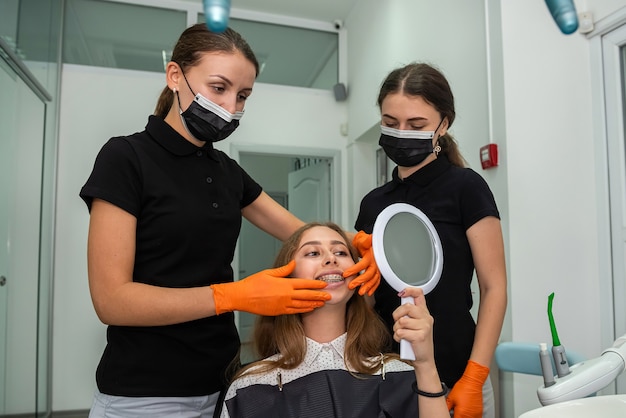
(417, 109)
(165, 214)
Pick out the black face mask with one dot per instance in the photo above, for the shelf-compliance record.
(407, 148)
(208, 121)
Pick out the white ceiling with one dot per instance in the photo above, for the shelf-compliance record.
(322, 10)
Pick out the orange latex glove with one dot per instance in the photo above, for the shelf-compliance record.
(268, 292)
(370, 279)
(466, 397)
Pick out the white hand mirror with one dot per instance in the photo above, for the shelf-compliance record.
(408, 252)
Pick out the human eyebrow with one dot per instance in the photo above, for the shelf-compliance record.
(246, 91)
(417, 119)
(223, 78)
(310, 243)
(333, 242)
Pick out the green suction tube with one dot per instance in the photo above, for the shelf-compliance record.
(555, 335)
(558, 351)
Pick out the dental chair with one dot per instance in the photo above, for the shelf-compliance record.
(523, 357)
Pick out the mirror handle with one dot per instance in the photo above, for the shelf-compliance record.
(406, 351)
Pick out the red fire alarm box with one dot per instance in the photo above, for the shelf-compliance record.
(489, 156)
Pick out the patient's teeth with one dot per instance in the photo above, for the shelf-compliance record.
(331, 278)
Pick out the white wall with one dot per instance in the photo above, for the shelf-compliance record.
(599, 8)
(99, 103)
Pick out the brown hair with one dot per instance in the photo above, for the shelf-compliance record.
(420, 79)
(367, 335)
(196, 40)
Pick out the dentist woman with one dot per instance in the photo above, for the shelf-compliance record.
(165, 214)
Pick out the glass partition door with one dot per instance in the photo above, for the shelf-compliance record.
(7, 85)
(29, 79)
(21, 161)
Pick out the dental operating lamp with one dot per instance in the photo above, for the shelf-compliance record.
(216, 14)
(564, 14)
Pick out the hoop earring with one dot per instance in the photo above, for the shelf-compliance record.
(437, 148)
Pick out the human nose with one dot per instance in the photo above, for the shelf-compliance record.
(330, 259)
(230, 104)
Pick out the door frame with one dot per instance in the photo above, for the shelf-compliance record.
(607, 105)
(294, 151)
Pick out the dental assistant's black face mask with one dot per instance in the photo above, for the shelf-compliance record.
(407, 148)
(206, 120)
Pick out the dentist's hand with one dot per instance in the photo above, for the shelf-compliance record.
(370, 279)
(466, 397)
(269, 292)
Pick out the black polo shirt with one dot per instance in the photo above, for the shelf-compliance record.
(454, 199)
(187, 201)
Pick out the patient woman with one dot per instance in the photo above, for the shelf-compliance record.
(328, 363)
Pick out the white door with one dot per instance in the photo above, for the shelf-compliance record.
(614, 57)
(309, 192)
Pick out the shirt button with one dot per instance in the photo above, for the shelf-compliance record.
(199, 153)
(209, 180)
(215, 205)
